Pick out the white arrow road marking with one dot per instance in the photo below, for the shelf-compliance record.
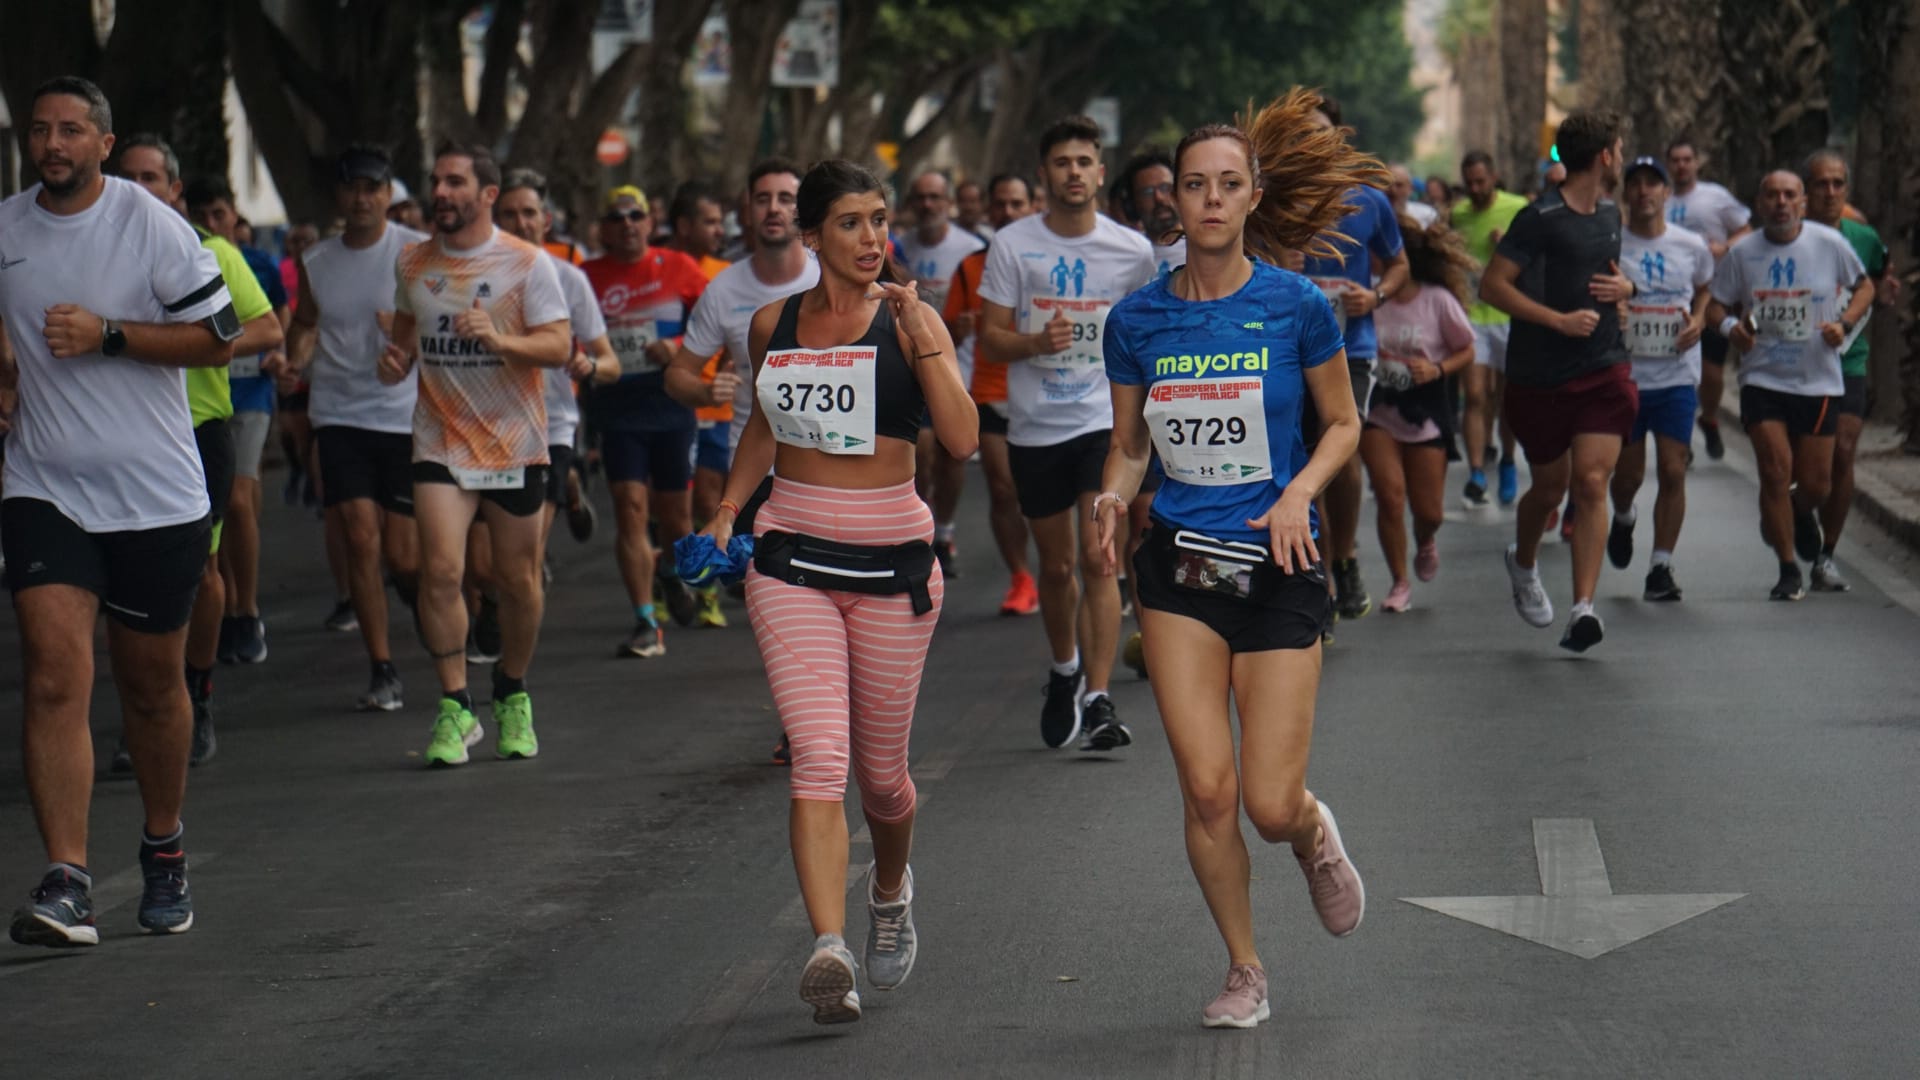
(1576, 912)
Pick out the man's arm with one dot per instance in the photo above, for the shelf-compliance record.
(1499, 288)
(74, 331)
(547, 345)
(686, 384)
(1000, 343)
(258, 335)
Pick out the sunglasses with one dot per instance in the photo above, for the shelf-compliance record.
(633, 217)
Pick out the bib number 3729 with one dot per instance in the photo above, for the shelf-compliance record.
(1211, 432)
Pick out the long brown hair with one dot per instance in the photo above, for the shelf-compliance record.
(1304, 170)
(1437, 256)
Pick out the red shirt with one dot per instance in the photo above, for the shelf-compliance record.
(645, 301)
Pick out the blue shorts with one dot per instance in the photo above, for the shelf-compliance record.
(662, 460)
(713, 450)
(1668, 412)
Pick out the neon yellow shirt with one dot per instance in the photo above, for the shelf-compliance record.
(209, 395)
(1477, 227)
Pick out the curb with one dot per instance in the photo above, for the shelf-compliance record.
(1895, 513)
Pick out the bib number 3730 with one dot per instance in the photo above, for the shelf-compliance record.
(1211, 432)
(820, 399)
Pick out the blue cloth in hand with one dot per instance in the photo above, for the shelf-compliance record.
(697, 560)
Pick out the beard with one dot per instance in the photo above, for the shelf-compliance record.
(78, 177)
(463, 216)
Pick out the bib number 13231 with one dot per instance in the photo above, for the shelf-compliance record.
(1784, 314)
(1211, 432)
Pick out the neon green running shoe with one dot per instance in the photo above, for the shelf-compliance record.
(454, 730)
(513, 719)
(709, 613)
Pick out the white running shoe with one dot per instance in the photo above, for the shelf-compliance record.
(827, 984)
(1529, 596)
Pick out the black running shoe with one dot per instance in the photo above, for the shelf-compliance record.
(223, 651)
(166, 903)
(581, 519)
(249, 639)
(122, 762)
(342, 620)
(1350, 595)
(1660, 584)
(1060, 716)
(943, 552)
(1807, 538)
(60, 915)
(1584, 631)
(1710, 431)
(483, 638)
(204, 742)
(783, 752)
(1790, 586)
(1104, 729)
(1620, 544)
(682, 605)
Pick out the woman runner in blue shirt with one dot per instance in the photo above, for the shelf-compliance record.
(1210, 366)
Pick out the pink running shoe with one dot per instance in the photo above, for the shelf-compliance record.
(1338, 896)
(1399, 598)
(1243, 1004)
(1426, 561)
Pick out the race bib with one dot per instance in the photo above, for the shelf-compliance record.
(244, 367)
(1336, 290)
(1211, 432)
(1089, 319)
(820, 399)
(630, 345)
(1784, 314)
(489, 479)
(1654, 329)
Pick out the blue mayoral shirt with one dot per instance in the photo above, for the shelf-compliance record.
(1371, 230)
(1226, 381)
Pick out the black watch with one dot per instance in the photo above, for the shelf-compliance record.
(113, 340)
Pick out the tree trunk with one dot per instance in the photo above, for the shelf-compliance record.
(1774, 87)
(1673, 73)
(663, 92)
(1482, 120)
(1887, 186)
(753, 28)
(1603, 77)
(1523, 82)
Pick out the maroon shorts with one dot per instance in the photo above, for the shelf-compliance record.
(1546, 418)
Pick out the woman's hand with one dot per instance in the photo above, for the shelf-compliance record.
(1423, 370)
(1289, 525)
(908, 312)
(720, 527)
(1107, 509)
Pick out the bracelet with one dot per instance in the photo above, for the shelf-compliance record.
(924, 355)
(729, 504)
(1104, 496)
(1727, 324)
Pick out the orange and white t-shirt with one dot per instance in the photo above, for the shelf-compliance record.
(475, 411)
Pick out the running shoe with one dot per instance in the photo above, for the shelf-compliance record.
(1350, 595)
(1710, 429)
(166, 903)
(384, 692)
(1426, 560)
(681, 606)
(949, 568)
(1475, 493)
(1243, 1004)
(290, 491)
(483, 637)
(646, 641)
(1135, 654)
(1789, 587)
(513, 728)
(1509, 483)
(891, 941)
(1807, 539)
(60, 915)
(1529, 596)
(122, 762)
(1338, 896)
(1399, 598)
(710, 614)
(1660, 584)
(1103, 727)
(249, 639)
(1023, 596)
(581, 520)
(827, 983)
(1060, 716)
(1566, 524)
(1826, 576)
(783, 751)
(454, 730)
(342, 620)
(223, 651)
(1620, 543)
(1584, 630)
(1490, 456)
(205, 743)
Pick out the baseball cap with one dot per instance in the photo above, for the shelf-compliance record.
(400, 193)
(363, 163)
(627, 193)
(1646, 162)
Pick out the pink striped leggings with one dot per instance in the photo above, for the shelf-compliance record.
(845, 667)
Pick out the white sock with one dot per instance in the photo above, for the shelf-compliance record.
(1662, 557)
(1582, 607)
(1091, 696)
(1070, 666)
(943, 533)
(1631, 515)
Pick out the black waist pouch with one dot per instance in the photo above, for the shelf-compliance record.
(886, 570)
(1226, 568)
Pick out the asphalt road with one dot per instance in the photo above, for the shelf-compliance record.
(625, 906)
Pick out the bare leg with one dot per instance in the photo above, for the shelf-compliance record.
(1593, 460)
(1059, 588)
(240, 547)
(1009, 528)
(445, 514)
(158, 718)
(1099, 611)
(1389, 480)
(631, 547)
(515, 543)
(817, 831)
(1670, 505)
(1833, 512)
(56, 654)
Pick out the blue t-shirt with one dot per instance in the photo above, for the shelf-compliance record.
(254, 393)
(1273, 329)
(1373, 230)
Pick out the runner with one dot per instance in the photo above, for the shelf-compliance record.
(1711, 211)
(846, 371)
(1232, 591)
(1482, 219)
(1148, 181)
(1670, 269)
(699, 226)
(1011, 200)
(646, 437)
(364, 426)
(1060, 272)
(1827, 179)
(1570, 396)
(105, 294)
(1404, 204)
(1788, 297)
(1424, 337)
(931, 252)
(970, 210)
(522, 212)
(1367, 234)
(483, 313)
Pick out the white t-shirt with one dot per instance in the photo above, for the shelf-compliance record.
(353, 288)
(1709, 210)
(107, 440)
(1789, 290)
(932, 265)
(723, 316)
(583, 311)
(1169, 257)
(1665, 271)
(1037, 272)
(1420, 212)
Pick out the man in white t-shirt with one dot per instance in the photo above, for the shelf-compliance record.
(363, 428)
(1670, 269)
(105, 294)
(1716, 216)
(483, 314)
(1789, 297)
(1049, 282)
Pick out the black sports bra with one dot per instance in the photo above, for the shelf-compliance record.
(899, 404)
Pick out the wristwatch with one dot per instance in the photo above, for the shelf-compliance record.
(1379, 298)
(113, 340)
(1846, 324)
